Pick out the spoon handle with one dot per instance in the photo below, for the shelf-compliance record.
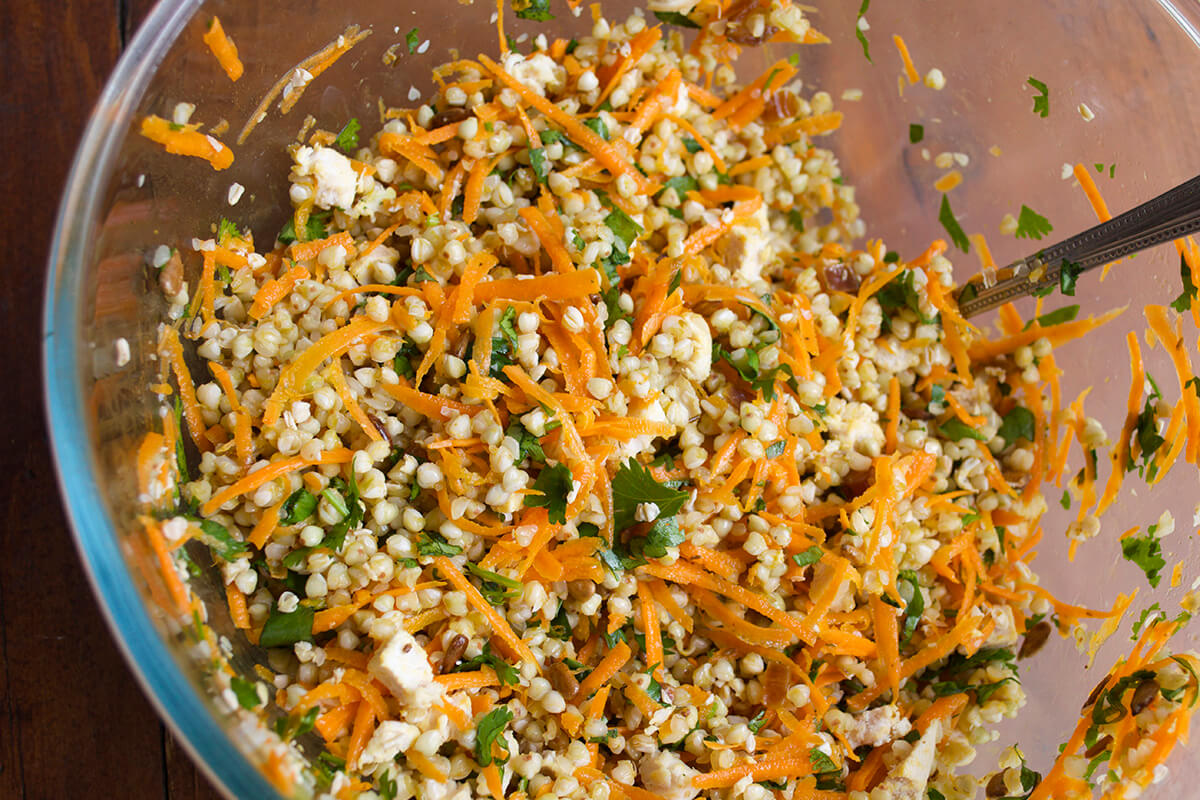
(1174, 213)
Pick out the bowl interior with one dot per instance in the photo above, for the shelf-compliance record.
(1133, 65)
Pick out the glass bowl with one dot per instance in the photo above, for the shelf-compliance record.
(1134, 63)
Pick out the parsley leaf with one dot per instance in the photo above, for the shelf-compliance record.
(540, 164)
(1146, 552)
(955, 231)
(227, 230)
(862, 36)
(1018, 424)
(218, 539)
(387, 786)
(775, 449)
(347, 138)
(1069, 273)
(1056, 317)
(691, 145)
(1032, 225)
(821, 762)
(597, 126)
(810, 556)
(412, 39)
(756, 723)
(284, 630)
(914, 608)
(298, 507)
(1041, 102)
(506, 672)
(1188, 295)
(916, 133)
(632, 485)
(553, 484)
(491, 728)
(536, 10)
(431, 543)
(314, 228)
(677, 19)
(682, 184)
(244, 691)
(625, 232)
(956, 430)
(530, 446)
(901, 292)
(496, 588)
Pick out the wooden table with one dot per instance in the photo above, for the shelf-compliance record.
(73, 721)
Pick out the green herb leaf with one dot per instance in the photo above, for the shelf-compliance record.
(1069, 273)
(314, 228)
(624, 229)
(676, 19)
(775, 449)
(552, 486)
(298, 507)
(431, 543)
(489, 730)
(1041, 101)
(795, 218)
(536, 10)
(530, 446)
(227, 230)
(1032, 225)
(597, 126)
(284, 630)
(1056, 317)
(956, 430)
(1146, 552)
(858, 32)
(347, 138)
(412, 39)
(691, 145)
(1017, 424)
(632, 485)
(388, 788)
(1151, 614)
(916, 133)
(914, 608)
(496, 588)
(953, 229)
(506, 672)
(810, 556)
(682, 184)
(1188, 295)
(540, 164)
(821, 762)
(218, 539)
(244, 691)
(756, 723)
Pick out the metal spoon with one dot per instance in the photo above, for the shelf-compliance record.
(1172, 214)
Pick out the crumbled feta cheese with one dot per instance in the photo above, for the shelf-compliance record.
(875, 727)
(390, 739)
(122, 351)
(335, 176)
(403, 667)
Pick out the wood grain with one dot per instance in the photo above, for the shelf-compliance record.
(73, 721)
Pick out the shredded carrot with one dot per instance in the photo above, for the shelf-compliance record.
(771, 769)
(480, 679)
(910, 71)
(604, 671)
(559, 257)
(173, 350)
(224, 49)
(500, 627)
(275, 290)
(187, 141)
(269, 473)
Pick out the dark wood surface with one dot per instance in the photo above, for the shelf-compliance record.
(73, 721)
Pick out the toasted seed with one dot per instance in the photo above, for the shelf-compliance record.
(1102, 744)
(581, 590)
(1035, 638)
(454, 651)
(170, 278)
(562, 680)
(448, 116)
(1143, 696)
(1095, 695)
(996, 786)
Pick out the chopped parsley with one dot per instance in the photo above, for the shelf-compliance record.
(290, 727)
(1032, 225)
(226, 230)
(284, 630)
(298, 507)
(953, 229)
(1146, 553)
(530, 446)
(536, 10)
(1068, 274)
(633, 485)
(347, 138)
(1041, 101)
(412, 39)
(244, 691)
(677, 19)
(916, 133)
(821, 763)
(552, 486)
(314, 228)
(914, 608)
(218, 539)
(495, 588)
(1056, 317)
(1018, 424)
(806, 557)
(956, 430)
(490, 729)
(431, 543)
(506, 672)
(858, 31)
(597, 126)
(1188, 295)
(540, 164)
(691, 145)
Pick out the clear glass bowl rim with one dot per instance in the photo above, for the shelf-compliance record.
(175, 697)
